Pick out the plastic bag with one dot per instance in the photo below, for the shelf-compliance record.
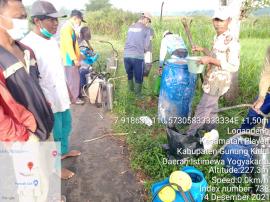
(182, 145)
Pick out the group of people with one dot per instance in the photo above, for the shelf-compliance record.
(39, 76)
(221, 64)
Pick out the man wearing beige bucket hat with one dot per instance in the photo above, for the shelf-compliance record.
(221, 62)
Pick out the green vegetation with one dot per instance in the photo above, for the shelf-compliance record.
(95, 5)
(255, 27)
(109, 21)
(144, 142)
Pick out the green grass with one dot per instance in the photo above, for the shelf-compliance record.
(144, 142)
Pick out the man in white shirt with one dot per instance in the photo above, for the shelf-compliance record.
(221, 62)
(174, 45)
(52, 76)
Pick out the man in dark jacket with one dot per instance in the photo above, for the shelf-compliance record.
(19, 72)
(17, 123)
(25, 114)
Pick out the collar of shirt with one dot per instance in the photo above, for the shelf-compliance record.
(222, 36)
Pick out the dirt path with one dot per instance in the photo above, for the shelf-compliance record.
(102, 171)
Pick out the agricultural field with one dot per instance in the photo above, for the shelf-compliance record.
(145, 142)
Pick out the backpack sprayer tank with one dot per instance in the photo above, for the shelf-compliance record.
(107, 94)
(109, 87)
(92, 88)
(100, 89)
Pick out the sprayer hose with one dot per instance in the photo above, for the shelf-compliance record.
(240, 106)
(178, 189)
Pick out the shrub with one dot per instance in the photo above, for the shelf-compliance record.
(110, 21)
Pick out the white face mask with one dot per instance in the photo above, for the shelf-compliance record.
(77, 28)
(19, 30)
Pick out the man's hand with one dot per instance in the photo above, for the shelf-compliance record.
(160, 71)
(205, 60)
(258, 104)
(77, 63)
(197, 48)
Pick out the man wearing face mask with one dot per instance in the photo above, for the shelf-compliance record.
(45, 19)
(16, 121)
(71, 56)
(25, 115)
(19, 72)
(137, 43)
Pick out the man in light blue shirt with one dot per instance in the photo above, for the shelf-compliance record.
(174, 45)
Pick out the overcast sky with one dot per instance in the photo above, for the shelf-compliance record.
(141, 5)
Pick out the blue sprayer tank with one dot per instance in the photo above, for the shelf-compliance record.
(197, 190)
(176, 92)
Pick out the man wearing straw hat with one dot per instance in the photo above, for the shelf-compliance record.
(221, 62)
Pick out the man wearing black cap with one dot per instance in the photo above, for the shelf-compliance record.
(52, 74)
(71, 54)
